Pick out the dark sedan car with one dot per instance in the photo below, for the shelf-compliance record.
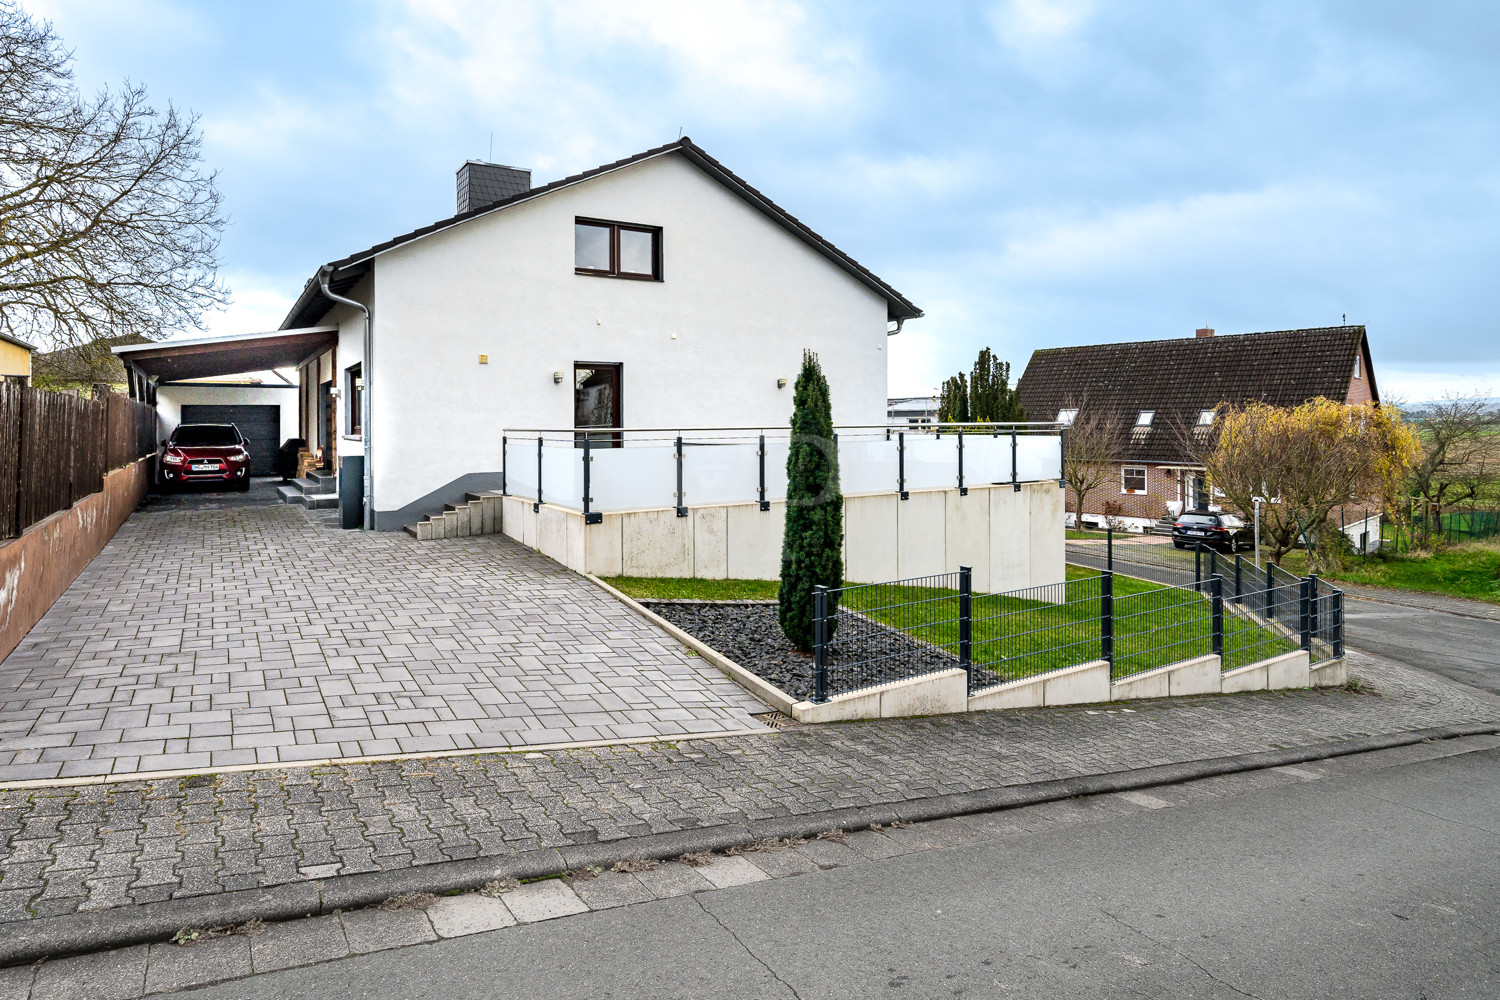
(1213, 530)
(211, 454)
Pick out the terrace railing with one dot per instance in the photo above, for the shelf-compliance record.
(599, 470)
(871, 634)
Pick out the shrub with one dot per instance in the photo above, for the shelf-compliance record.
(811, 549)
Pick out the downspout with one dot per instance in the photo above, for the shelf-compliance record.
(367, 369)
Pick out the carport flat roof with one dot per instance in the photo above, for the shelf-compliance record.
(246, 352)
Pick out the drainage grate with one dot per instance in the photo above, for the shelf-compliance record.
(776, 720)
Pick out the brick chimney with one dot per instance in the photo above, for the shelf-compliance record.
(1205, 331)
(481, 184)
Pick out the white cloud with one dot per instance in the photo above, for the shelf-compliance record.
(258, 303)
(1027, 22)
(1419, 386)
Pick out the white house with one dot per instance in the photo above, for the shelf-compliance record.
(657, 291)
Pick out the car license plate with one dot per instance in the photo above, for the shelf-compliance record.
(1195, 532)
(205, 466)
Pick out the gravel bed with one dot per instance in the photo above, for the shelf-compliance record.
(864, 652)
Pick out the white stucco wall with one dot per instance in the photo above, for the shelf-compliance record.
(171, 398)
(739, 302)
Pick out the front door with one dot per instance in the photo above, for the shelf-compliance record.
(326, 416)
(597, 401)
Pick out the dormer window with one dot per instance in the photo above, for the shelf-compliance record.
(1205, 418)
(616, 250)
(1066, 417)
(1144, 418)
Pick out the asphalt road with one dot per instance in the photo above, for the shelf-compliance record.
(1460, 648)
(1370, 885)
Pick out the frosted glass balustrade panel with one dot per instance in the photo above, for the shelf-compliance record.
(986, 459)
(867, 466)
(520, 467)
(633, 478)
(931, 462)
(776, 453)
(562, 475)
(720, 473)
(1038, 456)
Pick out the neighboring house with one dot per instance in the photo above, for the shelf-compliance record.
(84, 368)
(912, 410)
(659, 291)
(15, 360)
(1160, 397)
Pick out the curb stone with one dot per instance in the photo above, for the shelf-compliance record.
(81, 933)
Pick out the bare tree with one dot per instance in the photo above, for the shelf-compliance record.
(1460, 457)
(109, 225)
(1089, 454)
(1306, 462)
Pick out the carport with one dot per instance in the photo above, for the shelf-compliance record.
(264, 420)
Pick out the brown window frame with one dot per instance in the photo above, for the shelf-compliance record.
(355, 416)
(613, 271)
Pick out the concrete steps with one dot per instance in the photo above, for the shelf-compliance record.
(479, 514)
(318, 491)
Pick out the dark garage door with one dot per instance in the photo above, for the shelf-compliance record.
(260, 424)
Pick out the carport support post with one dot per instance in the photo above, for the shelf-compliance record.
(966, 623)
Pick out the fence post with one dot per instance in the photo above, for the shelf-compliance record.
(1107, 617)
(1109, 546)
(1305, 616)
(682, 510)
(1336, 608)
(1312, 605)
(538, 505)
(1268, 599)
(1197, 563)
(963, 490)
(1213, 562)
(1216, 586)
(966, 623)
(901, 465)
(820, 643)
(1238, 581)
(761, 454)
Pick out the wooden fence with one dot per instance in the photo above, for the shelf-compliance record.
(56, 448)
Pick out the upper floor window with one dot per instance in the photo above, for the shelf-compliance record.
(1066, 417)
(1356, 366)
(616, 250)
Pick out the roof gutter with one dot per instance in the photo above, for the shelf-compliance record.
(367, 370)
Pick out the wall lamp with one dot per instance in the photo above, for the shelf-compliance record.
(557, 378)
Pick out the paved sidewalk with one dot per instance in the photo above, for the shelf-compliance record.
(94, 847)
(209, 637)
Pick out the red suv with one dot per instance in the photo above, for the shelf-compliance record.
(205, 453)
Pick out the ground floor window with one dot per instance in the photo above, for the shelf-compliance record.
(1133, 479)
(354, 391)
(597, 400)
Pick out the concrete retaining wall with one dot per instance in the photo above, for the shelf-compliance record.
(1012, 538)
(36, 568)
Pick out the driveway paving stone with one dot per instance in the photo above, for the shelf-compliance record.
(211, 637)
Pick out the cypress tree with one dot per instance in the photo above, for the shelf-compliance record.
(953, 407)
(811, 548)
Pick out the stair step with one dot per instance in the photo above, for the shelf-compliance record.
(289, 494)
(320, 476)
(320, 501)
(315, 487)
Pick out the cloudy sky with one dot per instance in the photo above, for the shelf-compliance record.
(1031, 173)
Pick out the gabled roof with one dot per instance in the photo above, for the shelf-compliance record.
(312, 305)
(1182, 377)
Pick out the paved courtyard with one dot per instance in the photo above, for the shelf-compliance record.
(208, 635)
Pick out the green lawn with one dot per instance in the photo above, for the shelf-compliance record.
(1075, 535)
(1015, 638)
(1470, 570)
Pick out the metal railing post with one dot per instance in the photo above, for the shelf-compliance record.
(682, 510)
(504, 457)
(1107, 617)
(764, 503)
(901, 465)
(1216, 586)
(1305, 617)
(1015, 483)
(589, 517)
(966, 623)
(538, 505)
(820, 643)
(963, 490)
